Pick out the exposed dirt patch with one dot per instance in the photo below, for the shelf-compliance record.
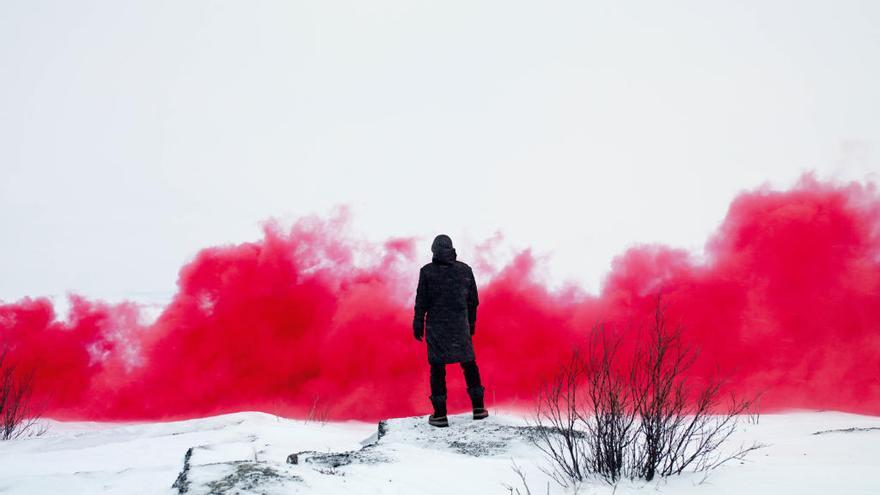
(248, 477)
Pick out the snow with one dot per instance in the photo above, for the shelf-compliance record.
(247, 452)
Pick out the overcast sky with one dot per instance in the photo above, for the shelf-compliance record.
(133, 133)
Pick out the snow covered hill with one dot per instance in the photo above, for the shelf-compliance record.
(255, 453)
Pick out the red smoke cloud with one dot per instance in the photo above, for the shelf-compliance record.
(786, 302)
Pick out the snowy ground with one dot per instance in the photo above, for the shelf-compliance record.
(248, 453)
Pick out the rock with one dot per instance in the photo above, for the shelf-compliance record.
(182, 482)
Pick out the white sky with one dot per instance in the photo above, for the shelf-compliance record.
(134, 133)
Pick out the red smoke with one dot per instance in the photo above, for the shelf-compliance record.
(787, 302)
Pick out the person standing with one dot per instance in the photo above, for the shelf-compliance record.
(446, 312)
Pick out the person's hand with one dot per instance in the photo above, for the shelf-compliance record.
(418, 335)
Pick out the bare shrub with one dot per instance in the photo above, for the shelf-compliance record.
(610, 416)
(557, 425)
(607, 418)
(680, 428)
(18, 417)
(318, 412)
(525, 490)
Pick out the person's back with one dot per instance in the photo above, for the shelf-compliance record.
(446, 299)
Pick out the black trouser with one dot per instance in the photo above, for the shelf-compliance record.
(438, 377)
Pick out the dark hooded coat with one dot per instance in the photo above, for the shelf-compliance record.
(446, 298)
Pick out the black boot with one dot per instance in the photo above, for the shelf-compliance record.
(439, 418)
(476, 394)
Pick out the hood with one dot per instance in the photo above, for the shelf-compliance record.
(442, 249)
